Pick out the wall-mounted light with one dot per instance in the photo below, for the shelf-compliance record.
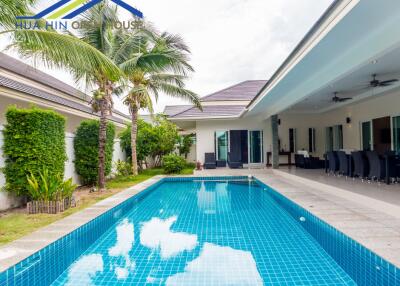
(348, 120)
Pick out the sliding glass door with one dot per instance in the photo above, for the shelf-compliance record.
(396, 134)
(366, 136)
(256, 147)
(221, 145)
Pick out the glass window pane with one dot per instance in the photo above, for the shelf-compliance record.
(366, 136)
(396, 134)
(255, 147)
(222, 144)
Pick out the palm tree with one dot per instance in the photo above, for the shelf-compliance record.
(85, 56)
(153, 64)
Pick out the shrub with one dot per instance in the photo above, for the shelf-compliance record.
(86, 147)
(33, 139)
(173, 164)
(49, 187)
(123, 168)
(153, 141)
(185, 143)
(145, 140)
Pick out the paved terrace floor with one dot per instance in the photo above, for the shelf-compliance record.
(368, 213)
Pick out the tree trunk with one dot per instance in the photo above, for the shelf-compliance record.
(134, 118)
(102, 145)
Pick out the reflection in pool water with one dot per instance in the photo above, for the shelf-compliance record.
(201, 234)
(156, 234)
(84, 270)
(124, 244)
(217, 265)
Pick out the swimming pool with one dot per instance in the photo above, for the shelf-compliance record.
(205, 231)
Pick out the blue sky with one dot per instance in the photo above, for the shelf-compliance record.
(231, 40)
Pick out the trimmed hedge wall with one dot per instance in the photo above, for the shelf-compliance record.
(86, 147)
(33, 139)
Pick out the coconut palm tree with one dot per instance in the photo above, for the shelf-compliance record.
(84, 55)
(153, 64)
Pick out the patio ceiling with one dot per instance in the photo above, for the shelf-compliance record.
(352, 41)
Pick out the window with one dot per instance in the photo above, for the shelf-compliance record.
(292, 140)
(311, 140)
(221, 145)
(256, 146)
(396, 134)
(334, 138)
(366, 136)
(338, 137)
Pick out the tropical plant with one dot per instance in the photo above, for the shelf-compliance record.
(153, 64)
(122, 168)
(84, 55)
(86, 149)
(34, 138)
(153, 140)
(49, 187)
(173, 164)
(146, 141)
(185, 143)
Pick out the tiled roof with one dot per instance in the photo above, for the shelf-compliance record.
(15, 85)
(211, 111)
(246, 90)
(171, 110)
(15, 66)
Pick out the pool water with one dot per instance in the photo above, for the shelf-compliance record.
(206, 233)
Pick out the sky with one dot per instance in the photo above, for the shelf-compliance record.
(230, 40)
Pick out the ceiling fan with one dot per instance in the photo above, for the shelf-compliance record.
(377, 83)
(337, 99)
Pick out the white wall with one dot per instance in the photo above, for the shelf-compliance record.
(118, 154)
(7, 200)
(375, 107)
(69, 164)
(205, 132)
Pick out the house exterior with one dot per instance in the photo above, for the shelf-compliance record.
(23, 85)
(338, 89)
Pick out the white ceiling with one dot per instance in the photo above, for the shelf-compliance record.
(354, 85)
(342, 59)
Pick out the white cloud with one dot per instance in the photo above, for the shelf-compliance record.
(217, 265)
(157, 235)
(231, 40)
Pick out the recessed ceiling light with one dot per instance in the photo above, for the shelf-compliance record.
(374, 62)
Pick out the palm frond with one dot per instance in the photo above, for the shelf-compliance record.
(60, 50)
(177, 92)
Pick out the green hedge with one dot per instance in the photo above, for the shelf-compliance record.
(34, 139)
(173, 164)
(86, 147)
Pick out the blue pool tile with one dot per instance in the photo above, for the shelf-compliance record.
(204, 231)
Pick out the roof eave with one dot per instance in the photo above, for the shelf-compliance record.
(299, 47)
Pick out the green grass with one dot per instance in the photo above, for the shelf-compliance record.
(14, 225)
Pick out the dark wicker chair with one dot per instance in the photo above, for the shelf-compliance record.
(377, 169)
(333, 166)
(361, 167)
(234, 161)
(209, 161)
(343, 163)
